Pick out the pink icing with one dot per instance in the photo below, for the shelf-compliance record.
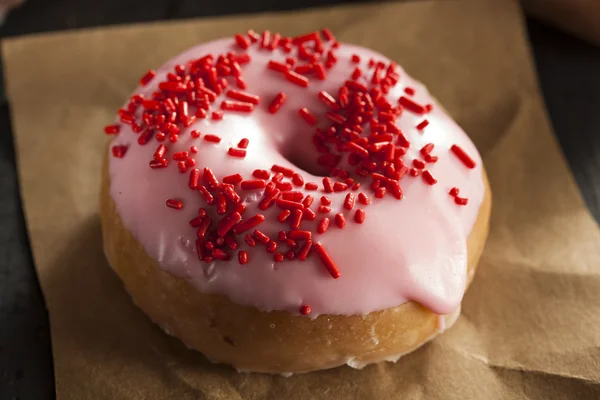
(410, 249)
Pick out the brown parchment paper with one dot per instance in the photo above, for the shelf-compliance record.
(530, 327)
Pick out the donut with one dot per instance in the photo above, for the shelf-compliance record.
(290, 204)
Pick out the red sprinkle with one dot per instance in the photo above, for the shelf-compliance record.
(329, 100)
(422, 125)
(296, 218)
(356, 148)
(196, 222)
(180, 156)
(277, 102)
(203, 228)
(418, 163)
(306, 38)
(175, 204)
(243, 143)
(212, 138)
(210, 200)
(428, 177)
(300, 235)
(239, 106)
(264, 42)
(272, 246)
(254, 37)
(357, 86)
(327, 261)
(340, 220)
(308, 200)
(236, 152)
(119, 151)
(287, 172)
(288, 204)
(453, 192)
(339, 187)
(147, 77)
(329, 38)
(249, 240)
(304, 69)
(285, 186)
(305, 309)
(158, 164)
(277, 178)
(210, 178)
(327, 185)
(277, 66)
(461, 201)
(233, 179)
(243, 257)
(175, 87)
(307, 116)
(349, 201)
(277, 257)
(410, 105)
(308, 214)
(320, 73)
(261, 174)
(363, 199)
(112, 129)
(296, 79)
(355, 58)
(269, 198)
(303, 252)
(425, 150)
(240, 207)
(462, 156)
(359, 216)
(194, 178)
(227, 223)
(261, 237)
(249, 223)
(284, 215)
(242, 41)
(323, 225)
(297, 179)
(311, 186)
(241, 83)
(145, 137)
(274, 42)
(253, 184)
(221, 203)
(402, 140)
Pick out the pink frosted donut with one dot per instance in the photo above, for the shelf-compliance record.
(291, 177)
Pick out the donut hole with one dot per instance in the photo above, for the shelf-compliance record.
(304, 158)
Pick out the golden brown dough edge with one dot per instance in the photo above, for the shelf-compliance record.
(272, 342)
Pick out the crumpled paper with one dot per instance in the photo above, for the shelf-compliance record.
(530, 323)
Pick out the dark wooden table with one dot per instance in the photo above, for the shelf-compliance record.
(569, 76)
